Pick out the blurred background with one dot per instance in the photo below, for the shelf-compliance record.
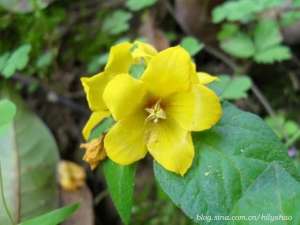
(47, 45)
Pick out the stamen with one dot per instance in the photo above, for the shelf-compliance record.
(156, 113)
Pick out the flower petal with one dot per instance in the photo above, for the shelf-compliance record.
(120, 59)
(125, 141)
(94, 120)
(168, 72)
(143, 51)
(123, 95)
(205, 78)
(181, 107)
(208, 110)
(171, 146)
(94, 87)
(196, 110)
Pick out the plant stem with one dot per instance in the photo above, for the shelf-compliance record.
(293, 139)
(3, 199)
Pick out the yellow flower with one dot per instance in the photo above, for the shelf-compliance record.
(121, 58)
(94, 152)
(158, 112)
(71, 176)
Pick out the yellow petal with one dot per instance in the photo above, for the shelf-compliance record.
(195, 110)
(120, 59)
(94, 120)
(94, 87)
(168, 72)
(125, 141)
(143, 51)
(171, 146)
(124, 95)
(208, 110)
(205, 78)
(181, 107)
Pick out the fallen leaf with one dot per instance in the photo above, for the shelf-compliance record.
(85, 214)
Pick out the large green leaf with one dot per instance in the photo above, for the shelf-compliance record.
(120, 183)
(7, 111)
(119, 179)
(275, 193)
(228, 161)
(28, 159)
(53, 218)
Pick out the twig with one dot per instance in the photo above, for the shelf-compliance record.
(51, 95)
(262, 99)
(230, 63)
(100, 197)
(293, 139)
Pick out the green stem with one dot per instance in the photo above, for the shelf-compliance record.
(3, 199)
(293, 139)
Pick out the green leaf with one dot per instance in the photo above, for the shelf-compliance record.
(271, 55)
(229, 159)
(192, 45)
(24, 6)
(233, 88)
(101, 128)
(29, 158)
(136, 5)
(240, 46)
(282, 126)
(275, 193)
(228, 30)
(266, 34)
(120, 183)
(7, 111)
(136, 70)
(17, 60)
(3, 59)
(267, 39)
(97, 62)
(117, 23)
(45, 59)
(53, 218)
(242, 10)
(234, 10)
(119, 179)
(289, 18)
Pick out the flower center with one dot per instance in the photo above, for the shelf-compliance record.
(156, 113)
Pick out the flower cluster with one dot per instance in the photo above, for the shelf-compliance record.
(154, 112)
